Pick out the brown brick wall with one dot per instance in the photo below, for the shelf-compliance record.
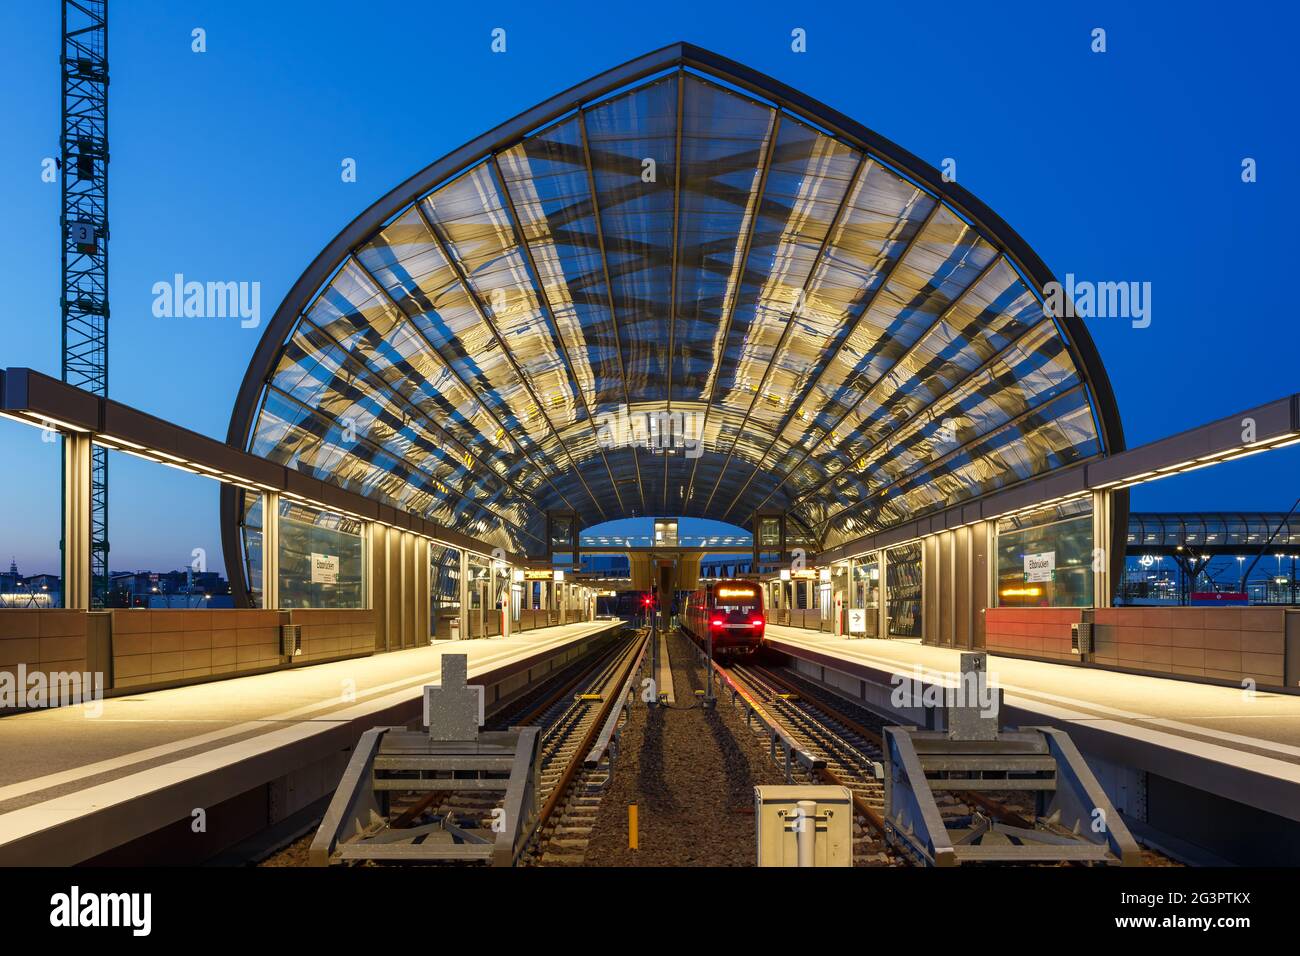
(48, 640)
(334, 633)
(1227, 643)
(156, 647)
(1031, 631)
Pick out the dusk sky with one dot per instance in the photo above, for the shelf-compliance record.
(1121, 166)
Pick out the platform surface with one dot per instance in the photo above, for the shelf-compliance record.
(61, 762)
(1220, 728)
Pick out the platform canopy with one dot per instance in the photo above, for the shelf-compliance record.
(854, 340)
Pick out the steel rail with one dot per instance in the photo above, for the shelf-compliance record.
(610, 729)
(990, 807)
(561, 786)
(873, 816)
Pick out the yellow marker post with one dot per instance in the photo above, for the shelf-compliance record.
(632, 842)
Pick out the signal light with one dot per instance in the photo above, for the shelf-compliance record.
(716, 623)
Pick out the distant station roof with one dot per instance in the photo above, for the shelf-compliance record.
(1213, 532)
(859, 341)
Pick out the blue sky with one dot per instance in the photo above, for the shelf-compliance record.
(225, 166)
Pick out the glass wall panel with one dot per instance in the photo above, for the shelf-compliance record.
(480, 590)
(31, 575)
(866, 591)
(840, 585)
(320, 558)
(444, 587)
(251, 503)
(1045, 557)
(769, 543)
(498, 596)
(903, 590)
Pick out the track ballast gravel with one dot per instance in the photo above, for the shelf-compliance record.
(691, 772)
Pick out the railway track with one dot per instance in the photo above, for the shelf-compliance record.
(847, 737)
(848, 752)
(569, 789)
(571, 708)
(851, 747)
(571, 713)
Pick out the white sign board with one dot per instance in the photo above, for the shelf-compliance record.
(324, 568)
(857, 620)
(1039, 567)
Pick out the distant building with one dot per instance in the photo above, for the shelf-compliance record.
(39, 590)
(168, 589)
(9, 579)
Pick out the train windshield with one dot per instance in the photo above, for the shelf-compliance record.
(736, 601)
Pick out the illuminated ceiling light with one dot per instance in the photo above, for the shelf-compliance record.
(1246, 454)
(43, 422)
(1269, 441)
(166, 455)
(123, 441)
(141, 455)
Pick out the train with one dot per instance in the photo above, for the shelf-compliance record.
(729, 611)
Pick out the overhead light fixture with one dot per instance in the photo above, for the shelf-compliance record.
(43, 422)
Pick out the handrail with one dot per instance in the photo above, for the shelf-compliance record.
(809, 760)
(607, 732)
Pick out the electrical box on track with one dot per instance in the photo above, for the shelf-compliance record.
(808, 825)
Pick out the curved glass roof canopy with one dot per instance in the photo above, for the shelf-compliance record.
(852, 340)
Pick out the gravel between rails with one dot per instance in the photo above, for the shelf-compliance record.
(691, 773)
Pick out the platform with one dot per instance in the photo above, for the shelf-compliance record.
(1219, 740)
(74, 785)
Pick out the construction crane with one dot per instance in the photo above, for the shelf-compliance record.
(84, 226)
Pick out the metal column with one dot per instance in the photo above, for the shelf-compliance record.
(1102, 538)
(882, 611)
(464, 594)
(77, 524)
(270, 549)
(424, 590)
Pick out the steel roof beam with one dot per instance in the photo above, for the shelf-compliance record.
(545, 302)
(609, 291)
(733, 292)
(816, 268)
(473, 295)
(450, 369)
(871, 389)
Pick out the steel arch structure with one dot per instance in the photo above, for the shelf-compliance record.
(858, 340)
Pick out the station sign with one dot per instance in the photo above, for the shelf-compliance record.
(324, 568)
(1039, 567)
(857, 620)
